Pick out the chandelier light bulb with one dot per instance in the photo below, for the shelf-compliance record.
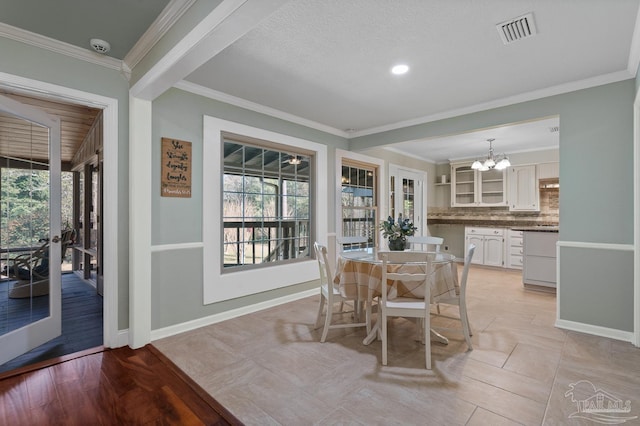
(491, 161)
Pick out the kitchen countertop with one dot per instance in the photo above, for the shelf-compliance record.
(536, 228)
(490, 217)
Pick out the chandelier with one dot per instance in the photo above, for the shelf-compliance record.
(492, 161)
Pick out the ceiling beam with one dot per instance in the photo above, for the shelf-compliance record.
(224, 25)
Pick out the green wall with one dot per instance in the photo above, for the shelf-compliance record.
(43, 65)
(177, 281)
(596, 201)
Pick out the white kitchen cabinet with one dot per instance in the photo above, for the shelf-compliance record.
(473, 188)
(549, 170)
(523, 188)
(489, 244)
(514, 249)
(539, 262)
(463, 185)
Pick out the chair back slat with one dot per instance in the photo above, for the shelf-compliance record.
(421, 241)
(405, 257)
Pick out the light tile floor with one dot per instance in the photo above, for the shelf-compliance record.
(268, 368)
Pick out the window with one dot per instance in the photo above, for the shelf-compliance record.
(358, 200)
(226, 283)
(266, 200)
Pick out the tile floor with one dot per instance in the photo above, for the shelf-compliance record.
(268, 368)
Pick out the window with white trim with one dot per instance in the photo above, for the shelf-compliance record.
(266, 203)
(359, 206)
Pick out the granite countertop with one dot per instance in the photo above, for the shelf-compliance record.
(536, 228)
(493, 217)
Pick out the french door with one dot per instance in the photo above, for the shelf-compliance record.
(406, 192)
(30, 286)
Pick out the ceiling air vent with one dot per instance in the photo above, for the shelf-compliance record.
(517, 28)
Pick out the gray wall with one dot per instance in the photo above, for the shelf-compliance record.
(177, 281)
(43, 65)
(596, 201)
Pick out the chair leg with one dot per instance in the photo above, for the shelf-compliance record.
(327, 323)
(466, 329)
(367, 316)
(383, 332)
(427, 341)
(317, 324)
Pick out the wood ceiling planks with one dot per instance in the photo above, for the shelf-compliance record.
(20, 139)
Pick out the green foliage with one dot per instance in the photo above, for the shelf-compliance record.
(401, 230)
(24, 206)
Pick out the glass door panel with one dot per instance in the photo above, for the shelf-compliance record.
(30, 238)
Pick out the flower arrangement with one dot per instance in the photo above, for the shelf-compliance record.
(397, 230)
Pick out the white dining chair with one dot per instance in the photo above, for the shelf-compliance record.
(460, 299)
(330, 295)
(353, 243)
(419, 242)
(403, 306)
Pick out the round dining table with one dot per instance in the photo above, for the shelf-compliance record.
(359, 274)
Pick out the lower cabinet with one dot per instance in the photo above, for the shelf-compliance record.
(539, 267)
(489, 244)
(514, 249)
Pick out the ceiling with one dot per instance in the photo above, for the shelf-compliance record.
(20, 139)
(326, 63)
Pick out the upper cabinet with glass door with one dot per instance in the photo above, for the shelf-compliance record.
(474, 188)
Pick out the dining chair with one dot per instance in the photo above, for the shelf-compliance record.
(404, 306)
(354, 243)
(330, 295)
(460, 299)
(418, 242)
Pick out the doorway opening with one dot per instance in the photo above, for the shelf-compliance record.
(23, 216)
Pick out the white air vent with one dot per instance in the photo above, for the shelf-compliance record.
(517, 28)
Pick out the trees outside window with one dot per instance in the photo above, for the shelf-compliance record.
(266, 204)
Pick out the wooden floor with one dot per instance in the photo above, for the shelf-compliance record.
(113, 387)
(81, 320)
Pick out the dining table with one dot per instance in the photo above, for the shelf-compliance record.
(359, 275)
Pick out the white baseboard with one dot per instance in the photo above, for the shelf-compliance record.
(626, 336)
(122, 339)
(212, 319)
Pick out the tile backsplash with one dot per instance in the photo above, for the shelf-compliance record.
(549, 200)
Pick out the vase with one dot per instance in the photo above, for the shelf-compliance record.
(398, 244)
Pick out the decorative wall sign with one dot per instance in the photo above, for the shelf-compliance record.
(176, 168)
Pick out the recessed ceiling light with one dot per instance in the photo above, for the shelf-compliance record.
(400, 69)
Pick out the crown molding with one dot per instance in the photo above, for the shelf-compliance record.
(58, 46)
(511, 100)
(171, 13)
(252, 106)
(634, 51)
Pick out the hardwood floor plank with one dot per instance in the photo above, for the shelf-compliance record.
(14, 402)
(115, 387)
(41, 389)
(179, 411)
(186, 385)
(48, 414)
